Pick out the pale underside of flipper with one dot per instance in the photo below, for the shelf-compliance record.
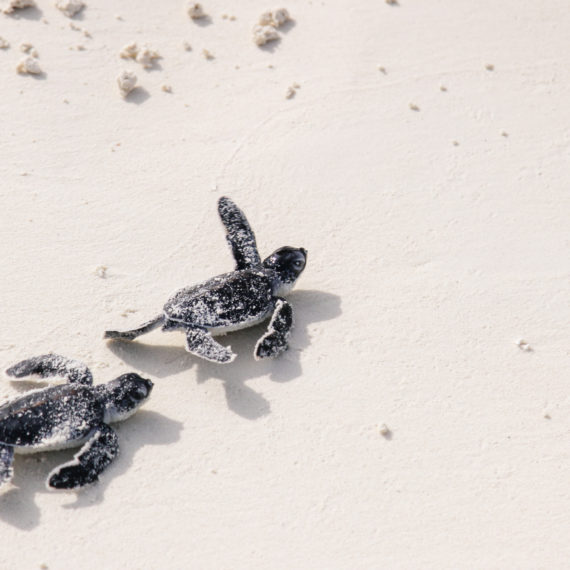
(89, 462)
(239, 234)
(275, 340)
(201, 343)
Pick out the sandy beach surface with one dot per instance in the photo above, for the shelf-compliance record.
(419, 152)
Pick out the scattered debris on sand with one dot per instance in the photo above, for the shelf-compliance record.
(70, 7)
(228, 17)
(186, 46)
(274, 18)
(414, 107)
(524, 345)
(382, 69)
(146, 57)
(392, 2)
(196, 11)
(3, 43)
(77, 28)
(166, 88)
(129, 51)
(384, 430)
(455, 143)
(504, 134)
(266, 28)
(127, 81)
(208, 54)
(264, 34)
(443, 88)
(143, 55)
(490, 67)
(27, 47)
(29, 65)
(101, 271)
(292, 91)
(14, 5)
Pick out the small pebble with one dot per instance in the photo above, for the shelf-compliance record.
(29, 65)
(166, 88)
(384, 430)
(126, 81)
(414, 107)
(70, 7)
(489, 67)
(14, 5)
(207, 54)
(101, 271)
(196, 11)
(524, 345)
(264, 34)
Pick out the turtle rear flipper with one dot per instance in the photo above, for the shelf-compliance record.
(132, 334)
(200, 342)
(274, 341)
(239, 234)
(91, 460)
(6, 461)
(48, 365)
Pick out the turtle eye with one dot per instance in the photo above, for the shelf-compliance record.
(297, 264)
(140, 393)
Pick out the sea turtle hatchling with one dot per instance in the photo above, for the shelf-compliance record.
(68, 415)
(236, 300)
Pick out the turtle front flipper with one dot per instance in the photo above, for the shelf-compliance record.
(91, 460)
(52, 365)
(274, 341)
(200, 342)
(239, 234)
(6, 461)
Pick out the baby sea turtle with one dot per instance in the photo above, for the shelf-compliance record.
(236, 300)
(68, 415)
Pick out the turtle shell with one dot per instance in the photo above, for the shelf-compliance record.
(225, 301)
(50, 418)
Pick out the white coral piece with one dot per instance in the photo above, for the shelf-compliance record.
(70, 7)
(264, 34)
(29, 65)
(127, 81)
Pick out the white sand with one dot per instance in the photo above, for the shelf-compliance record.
(428, 262)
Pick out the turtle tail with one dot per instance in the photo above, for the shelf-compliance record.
(132, 334)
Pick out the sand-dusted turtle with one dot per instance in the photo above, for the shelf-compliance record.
(68, 415)
(236, 300)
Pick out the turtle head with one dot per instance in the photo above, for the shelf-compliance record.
(123, 396)
(288, 263)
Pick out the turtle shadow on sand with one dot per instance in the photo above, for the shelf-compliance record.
(17, 504)
(161, 361)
